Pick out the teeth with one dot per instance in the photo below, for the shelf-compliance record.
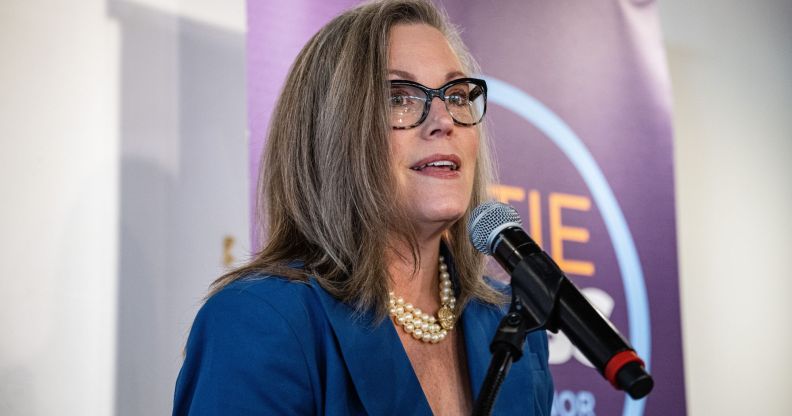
(437, 164)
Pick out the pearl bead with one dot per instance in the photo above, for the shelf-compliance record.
(421, 325)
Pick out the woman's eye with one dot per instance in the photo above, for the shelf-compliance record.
(404, 99)
(399, 100)
(458, 99)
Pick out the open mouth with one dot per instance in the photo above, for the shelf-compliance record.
(440, 164)
(447, 163)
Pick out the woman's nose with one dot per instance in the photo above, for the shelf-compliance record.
(438, 122)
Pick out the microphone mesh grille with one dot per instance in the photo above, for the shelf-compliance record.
(488, 218)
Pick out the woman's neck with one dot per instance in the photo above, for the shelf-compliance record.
(417, 285)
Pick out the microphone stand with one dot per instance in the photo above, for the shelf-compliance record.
(506, 348)
(508, 342)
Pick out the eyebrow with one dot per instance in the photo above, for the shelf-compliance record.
(410, 77)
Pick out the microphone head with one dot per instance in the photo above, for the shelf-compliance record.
(487, 221)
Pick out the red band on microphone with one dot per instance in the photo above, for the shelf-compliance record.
(617, 362)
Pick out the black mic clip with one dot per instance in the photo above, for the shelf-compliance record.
(523, 317)
(536, 279)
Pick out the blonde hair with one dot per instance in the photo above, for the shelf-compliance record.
(323, 186)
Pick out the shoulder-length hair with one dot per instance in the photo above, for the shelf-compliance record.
(325, 185)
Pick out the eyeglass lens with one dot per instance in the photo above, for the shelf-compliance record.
(464, 101)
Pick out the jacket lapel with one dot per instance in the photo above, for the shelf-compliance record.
(476, 329)
(375, 359)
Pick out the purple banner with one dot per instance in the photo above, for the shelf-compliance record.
(277, 31)
(582, 130)
(580, 117)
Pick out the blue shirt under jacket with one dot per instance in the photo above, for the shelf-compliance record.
(270, 346)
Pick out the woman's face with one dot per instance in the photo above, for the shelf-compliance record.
(434, 196)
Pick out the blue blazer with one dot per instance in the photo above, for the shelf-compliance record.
(272, 346)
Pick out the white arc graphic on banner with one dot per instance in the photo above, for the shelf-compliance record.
(549, 123)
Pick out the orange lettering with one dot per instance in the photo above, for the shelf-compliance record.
(560, 233)
(535, 216)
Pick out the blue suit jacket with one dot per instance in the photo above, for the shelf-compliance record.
(272, 346)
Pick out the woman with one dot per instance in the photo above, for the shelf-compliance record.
(367, 297)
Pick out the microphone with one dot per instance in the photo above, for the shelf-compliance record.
(548, 299)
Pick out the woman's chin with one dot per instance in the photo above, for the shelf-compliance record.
(440, 217)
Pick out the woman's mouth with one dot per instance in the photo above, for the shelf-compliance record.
(441, 166)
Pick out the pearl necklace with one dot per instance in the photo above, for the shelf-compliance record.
(420, 325)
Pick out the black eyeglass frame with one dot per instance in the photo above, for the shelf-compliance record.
(440, 93)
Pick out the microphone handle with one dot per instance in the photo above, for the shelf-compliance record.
(585, 326)
(603, 345)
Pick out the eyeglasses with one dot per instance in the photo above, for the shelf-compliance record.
(464, 98)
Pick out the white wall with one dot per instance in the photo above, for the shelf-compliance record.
(59, 170)
(183, 176)
(731, 69)
(123, 167)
